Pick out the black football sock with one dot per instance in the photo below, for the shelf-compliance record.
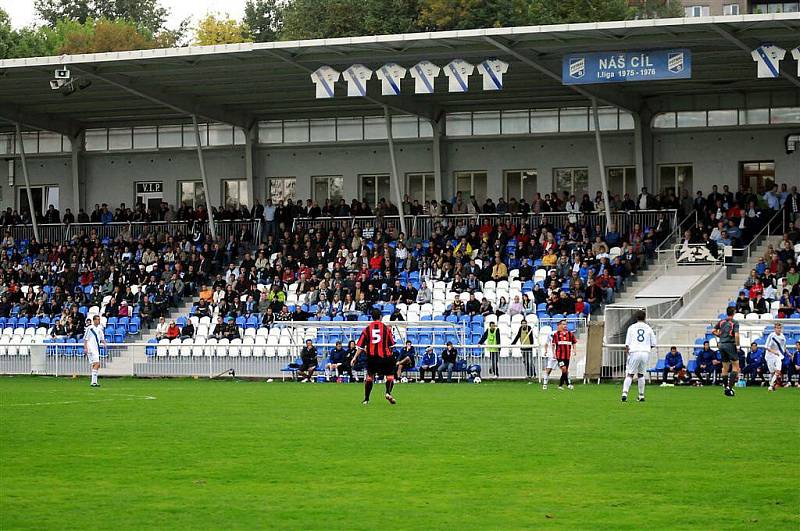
(389, 385)
(367, 388)
(732, 377)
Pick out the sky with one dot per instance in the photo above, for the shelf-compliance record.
(22, 13)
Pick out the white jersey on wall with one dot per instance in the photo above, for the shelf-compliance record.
(390, 75)
(424, 74)
(357, 76)
(458, 71)
(796, 55)
(768, 57)
(324, 78)
(492, 71)
(94, 337)
(640, 338)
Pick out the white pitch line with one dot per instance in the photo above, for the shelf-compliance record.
(66, 402)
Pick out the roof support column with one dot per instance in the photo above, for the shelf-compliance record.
(250, 142)
(78, 145)
(394, 182)
(206, 189)
(601, 162)
(438, 157)
(643, 148)
(24, 161)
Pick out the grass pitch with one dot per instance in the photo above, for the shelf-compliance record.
(223, 455)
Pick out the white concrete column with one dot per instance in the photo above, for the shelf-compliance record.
(78, 146)
(394, 182)
(600, 160)
(206, 189)
(21, 148)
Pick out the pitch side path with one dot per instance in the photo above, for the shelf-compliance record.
(196, 454)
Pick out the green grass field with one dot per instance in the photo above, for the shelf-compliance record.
(223, 454)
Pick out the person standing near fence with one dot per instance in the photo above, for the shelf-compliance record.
(491, 337)
(525, 338)
(270, 223)
(93, 340)
(639, 341)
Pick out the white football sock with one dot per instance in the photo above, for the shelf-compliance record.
(641, 385)
(94, 376)
(773, 379)
(627, 385)
(546, 377)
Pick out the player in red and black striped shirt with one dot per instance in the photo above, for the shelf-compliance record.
(377, 341)
(563, 343)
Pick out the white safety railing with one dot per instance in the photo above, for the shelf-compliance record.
(687, 335)
(269, 356)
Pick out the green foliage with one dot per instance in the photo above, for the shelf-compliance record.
(437, 15)
(575, 11)
(263, 17)
(220, 29)
(146, 14)
(316, 19)
(658, 9)
(252, 455)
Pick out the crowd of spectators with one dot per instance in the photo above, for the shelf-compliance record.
(346, 271)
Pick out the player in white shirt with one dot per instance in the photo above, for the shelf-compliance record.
(775, 349)
(639, 341)
(93, 339)
(550, 361)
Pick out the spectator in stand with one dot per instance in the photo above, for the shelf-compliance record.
(755, 365)
(173, 331)
(406, 359)
(449, 356)
(673, 363)
(309, 362)
(161, 328)
(188, 331)
(707, 363)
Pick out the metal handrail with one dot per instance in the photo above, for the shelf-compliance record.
(768, 228)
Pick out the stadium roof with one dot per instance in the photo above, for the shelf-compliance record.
(243, 83)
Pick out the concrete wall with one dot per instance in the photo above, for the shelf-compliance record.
(714, 153)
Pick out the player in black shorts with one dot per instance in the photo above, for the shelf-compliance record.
(727, 330)
(378, 343)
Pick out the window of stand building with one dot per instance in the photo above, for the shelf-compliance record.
(234, 193)
(281, 189)
(42, 196)
(675, 178)
(757, 176)
(572, 180)
(327, 187)
(521, 183)
(471, 183)
(191, 194)
(622, 180)
(373, 188)
(421, 186)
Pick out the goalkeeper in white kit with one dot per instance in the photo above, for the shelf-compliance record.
(639, 340)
